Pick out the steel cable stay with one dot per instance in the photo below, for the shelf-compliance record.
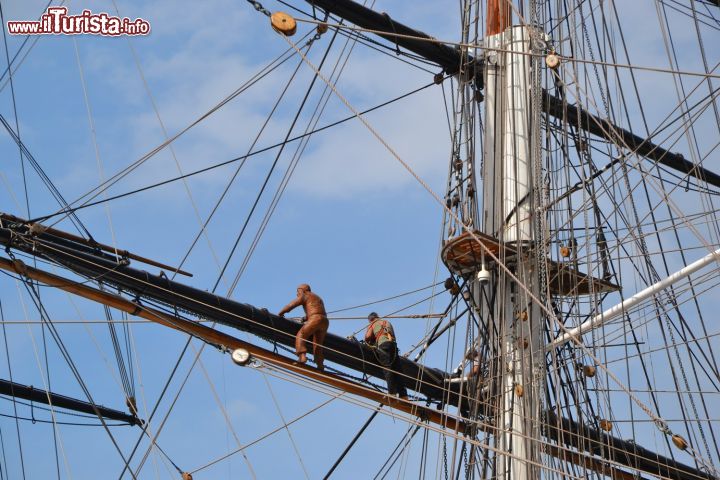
(128, 385)
(197, 356)
(445, 433)
(692, 141)
(17, 423)
(253, 208)
(16, 131)
(66, 355)
(228, 162)
(28, 267)
(382, 300)
(166, 137)
(8, 71)
(322, 103)
(682, 217)
(27, 155)
(480, 47)
(645, 175)
(23, 152)
(99, 189)
(45, 377)
(369, 42)
(279, 153)
(146, 426)
(658, 186)
(235, 174)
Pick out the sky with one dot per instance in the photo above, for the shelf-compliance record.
(352, 222)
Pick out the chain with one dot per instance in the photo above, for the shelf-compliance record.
(465, 461)
(445, 462)
(259, 7)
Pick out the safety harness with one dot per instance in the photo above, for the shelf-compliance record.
(385, 329)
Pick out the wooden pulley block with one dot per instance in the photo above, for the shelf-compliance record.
(283, 23)
(519, 390)
(679, 442)
(589, 370)
(606, 425)
(132, 405)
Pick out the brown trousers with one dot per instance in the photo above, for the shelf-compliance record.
(316, 328)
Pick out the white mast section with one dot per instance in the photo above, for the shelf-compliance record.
(507, 215)
(619, 309)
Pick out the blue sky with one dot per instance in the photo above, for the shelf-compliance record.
(352, 222)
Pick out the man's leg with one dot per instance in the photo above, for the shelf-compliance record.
(300, 347)
(319, 339)
(394, 379)
(385, 357)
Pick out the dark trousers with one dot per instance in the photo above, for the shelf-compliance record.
(387, 354)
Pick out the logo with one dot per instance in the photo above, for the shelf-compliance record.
(56, 21)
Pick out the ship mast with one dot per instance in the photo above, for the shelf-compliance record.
(510, 157)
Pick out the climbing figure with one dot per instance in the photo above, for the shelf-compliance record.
(315, 324)
(380, 333)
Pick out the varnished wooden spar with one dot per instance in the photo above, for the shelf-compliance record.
(349, 353)
(221, 339)
(41, 230)
(38, 395)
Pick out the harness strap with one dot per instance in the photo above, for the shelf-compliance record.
(383, 330)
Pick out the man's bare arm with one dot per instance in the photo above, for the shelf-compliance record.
(369, 335)
(294, 304)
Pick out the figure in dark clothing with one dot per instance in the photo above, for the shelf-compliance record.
(315, 324)
(380, 333)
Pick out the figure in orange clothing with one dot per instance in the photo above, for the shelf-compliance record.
(315, 324)
(380, 334)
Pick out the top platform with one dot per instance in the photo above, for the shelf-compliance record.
(463, 256)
